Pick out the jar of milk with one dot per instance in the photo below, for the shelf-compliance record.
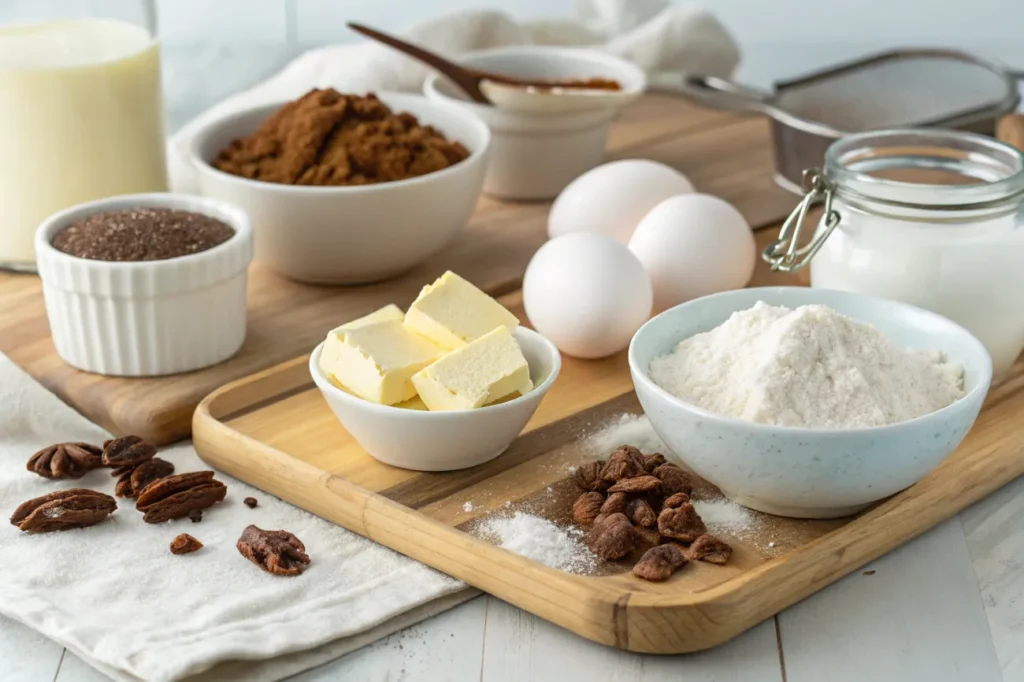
(929, 217)
(81, 109)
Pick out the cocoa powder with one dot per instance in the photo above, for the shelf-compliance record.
(327, 138)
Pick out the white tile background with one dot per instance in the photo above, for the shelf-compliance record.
(214, 47)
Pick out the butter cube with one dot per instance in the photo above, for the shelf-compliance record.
(481, 372)
(377, 361)
(332, 344)
(451, 312)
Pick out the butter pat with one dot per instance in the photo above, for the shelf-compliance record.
(482, 372)
(376, 361)
(330, 353)
(451, 312)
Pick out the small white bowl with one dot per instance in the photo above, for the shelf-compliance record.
(804, 472)
(352, 234)
(534, 156)
(442, 441)
(146, 318)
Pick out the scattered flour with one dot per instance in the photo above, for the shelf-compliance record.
(626, 429)
(809, 367)
(468, 507)
(724, 516)
(541, 540)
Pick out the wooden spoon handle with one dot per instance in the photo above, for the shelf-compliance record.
(467, 80)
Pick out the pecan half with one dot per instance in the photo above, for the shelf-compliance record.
(710, 549)
(626, 462)
(681, 523)
(588, 477)
(185, 544)
(652, 462)
(677, 500)
(659, 563)
(639, 484)
(63, 510)
(275, 551)
(673, 479)
(135, 480)
(128, 451)
(613, 538)
(65, 460)
(616, 502)
(174, 497)
(586, 508)
(641, 513)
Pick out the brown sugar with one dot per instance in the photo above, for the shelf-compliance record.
(326, 138)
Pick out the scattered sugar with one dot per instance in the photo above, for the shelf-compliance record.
(625, 429)
(724, 516)
(572, 471)
(468, 507)
(541, 540)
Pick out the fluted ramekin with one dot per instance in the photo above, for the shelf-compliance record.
(146, 318)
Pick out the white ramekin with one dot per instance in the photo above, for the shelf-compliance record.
(146, 318)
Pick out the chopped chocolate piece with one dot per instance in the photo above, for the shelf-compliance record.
(185, 544)
(195, 515)
(63, 510)
(659, 563)
(613, 538)
(639, 484)
(250, 502)
(586, 508)
(681, 523)
(640, 512)
(673, 479)
(710, 549)
(616, 502)
(65, 460)
(275, 551)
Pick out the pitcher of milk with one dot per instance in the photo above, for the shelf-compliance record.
(81, 108)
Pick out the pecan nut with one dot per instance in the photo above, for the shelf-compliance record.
(185, 544)
(640, 512)
(616, 502)
(677, 500)
(174, 497)
(63, 510)
(673, 479)
(128, 451)
(710, 549)
(135, 480)
(626, 462)
(65, 460)
(652, 462)
(275, 551)
(588, 477)
(681, 523)
(659, 563)
(586, 508)
(638, 484)
(613, 537)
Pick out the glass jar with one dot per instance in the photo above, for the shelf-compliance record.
(929, 217)
(81, 108)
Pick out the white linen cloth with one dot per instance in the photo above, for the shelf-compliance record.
(658, 35)
(115, 595)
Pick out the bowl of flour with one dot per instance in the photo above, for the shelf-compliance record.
(804, 402)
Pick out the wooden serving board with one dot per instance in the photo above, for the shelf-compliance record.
(274, 431)
(721, 153)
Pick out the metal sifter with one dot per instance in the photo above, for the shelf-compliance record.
(898, 89)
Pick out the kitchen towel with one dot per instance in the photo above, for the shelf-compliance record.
(114, 594)
(658, 35)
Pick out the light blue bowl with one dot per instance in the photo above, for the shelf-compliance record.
(804, 472)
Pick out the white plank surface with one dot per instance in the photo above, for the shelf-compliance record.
(918, 617)
(25, 655)
(995, 538)
(519, 647)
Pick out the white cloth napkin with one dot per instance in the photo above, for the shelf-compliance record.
(115, 595)
(658, 35)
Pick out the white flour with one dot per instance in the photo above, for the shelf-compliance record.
(807, 367)
(626, 429)
(539, 539)
(724, 516)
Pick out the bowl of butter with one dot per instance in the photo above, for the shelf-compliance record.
(447, 384)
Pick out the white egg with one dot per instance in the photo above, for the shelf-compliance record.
(693, 245)
(587, 293)
(611, 199)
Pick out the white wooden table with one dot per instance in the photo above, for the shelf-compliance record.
(947, 607)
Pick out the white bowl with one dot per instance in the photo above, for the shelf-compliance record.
(352, 234)
(442, 441)
(804, 472)
(146, 318)
(534, 156)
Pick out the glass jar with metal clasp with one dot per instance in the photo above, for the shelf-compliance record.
(929, 217)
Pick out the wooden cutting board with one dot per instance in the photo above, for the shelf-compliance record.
(721, 153)
(275, 431)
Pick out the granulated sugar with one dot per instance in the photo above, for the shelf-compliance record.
(541, 540)
(724, 516)
(625, 429)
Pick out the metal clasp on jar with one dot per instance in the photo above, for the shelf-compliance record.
(785, 254)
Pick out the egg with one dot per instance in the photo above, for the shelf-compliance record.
(693, 245)
(611, 199)
(587, 293)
